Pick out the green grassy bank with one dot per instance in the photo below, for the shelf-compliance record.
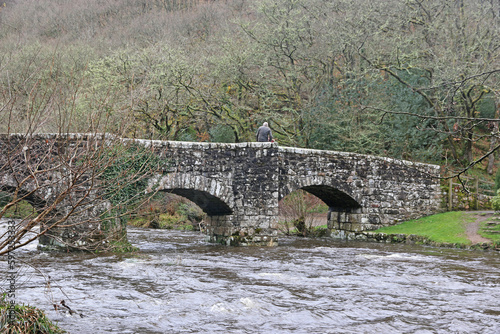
(450, 228)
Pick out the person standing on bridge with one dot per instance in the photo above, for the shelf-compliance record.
(264, 133)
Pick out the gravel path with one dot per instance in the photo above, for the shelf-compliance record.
(472, 228)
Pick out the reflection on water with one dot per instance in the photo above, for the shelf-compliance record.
(178, 283)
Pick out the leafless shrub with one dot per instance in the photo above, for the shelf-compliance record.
(81, 187)
(79, 184)
(298, 211)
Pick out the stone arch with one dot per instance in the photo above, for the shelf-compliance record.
(334, 195)
(345, 211)
(33, 199)
(211, 205)
(213, 196)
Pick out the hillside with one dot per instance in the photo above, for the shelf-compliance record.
(364, 76)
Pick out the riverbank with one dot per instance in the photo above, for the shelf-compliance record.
(458, 229)
(27, 319)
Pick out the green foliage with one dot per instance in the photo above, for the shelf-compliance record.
(176, 221)
(192, 212)
(338, 123)
(127, 171)
(446, 227)
(122, 247)
(168, 212)
(497, 180)
(222, 134)
(406, 136)
(335, 123)
(28, 319)
(21, 209)
(187, 136)
(495, 201)
(163, 221)
(486, 106)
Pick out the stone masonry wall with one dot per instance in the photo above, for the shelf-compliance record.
(376, 191)
(236, 184)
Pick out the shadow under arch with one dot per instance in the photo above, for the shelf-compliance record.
(29, 197)
(211, 195)
(211, 205)
(336, 199)
(344, 212)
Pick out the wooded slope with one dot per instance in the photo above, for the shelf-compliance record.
(408, 79)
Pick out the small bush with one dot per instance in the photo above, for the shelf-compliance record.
(193, 213)
(21, 210)
(28, 319)
(495, 202)
(167, 221)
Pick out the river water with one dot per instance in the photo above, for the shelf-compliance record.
(178, 283)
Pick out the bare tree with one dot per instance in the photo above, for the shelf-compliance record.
(81, 186)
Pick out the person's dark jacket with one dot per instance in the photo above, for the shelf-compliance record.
(264, 134)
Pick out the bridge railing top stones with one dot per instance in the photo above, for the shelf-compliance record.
(431, 169)
(200, 145)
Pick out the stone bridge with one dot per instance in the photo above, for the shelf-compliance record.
(239, 186)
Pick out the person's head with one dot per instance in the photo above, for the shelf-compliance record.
(265, 124)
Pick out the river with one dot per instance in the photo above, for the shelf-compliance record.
(178, 283)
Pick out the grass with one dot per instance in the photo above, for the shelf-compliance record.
(490, 229)
(28, 319)
(448, 227)
(163, 221)
(19, 211)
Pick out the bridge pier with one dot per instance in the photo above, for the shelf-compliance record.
(96, 236)
(236, 185)
(87, 231)
(353, 220)
(228, 230)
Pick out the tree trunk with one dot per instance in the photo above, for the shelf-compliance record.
(493, 142)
